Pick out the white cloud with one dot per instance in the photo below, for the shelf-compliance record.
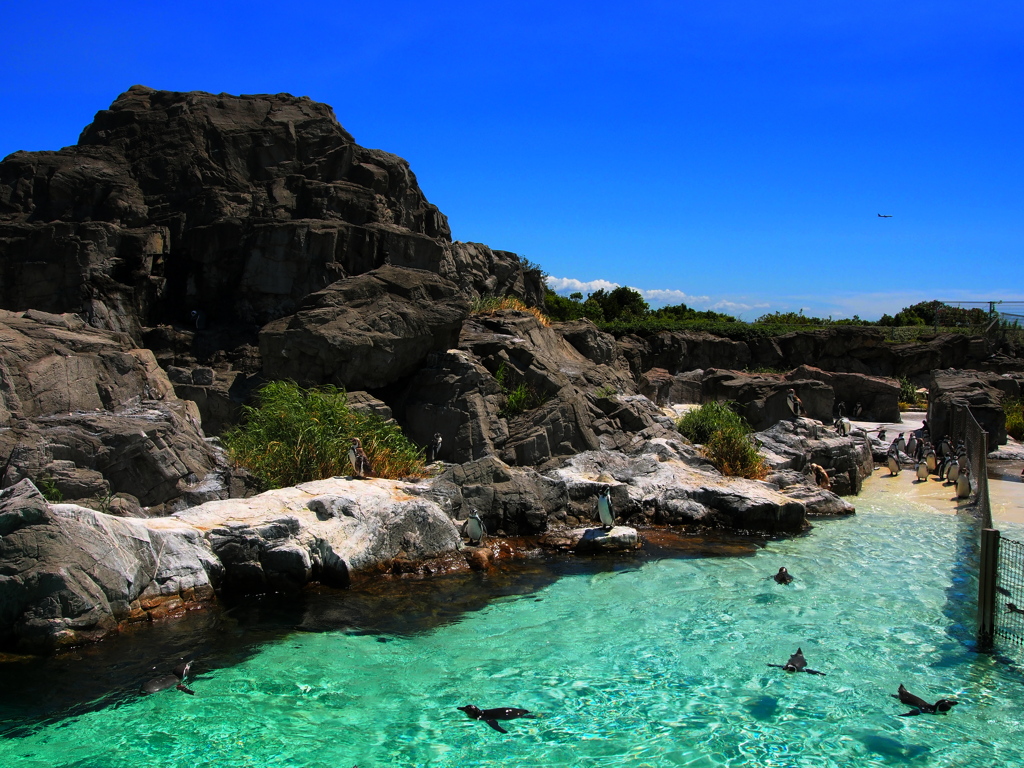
(666, 296)
(567, 285)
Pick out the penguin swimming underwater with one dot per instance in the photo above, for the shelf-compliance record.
(604, 510)
(920, 705)
(179, 680)
(492, 716)
(782, 577)
(797, 663)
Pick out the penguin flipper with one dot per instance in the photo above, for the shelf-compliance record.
(813, 672)
(185, 689)
(911, 713)
(495, 726)
(780, 666)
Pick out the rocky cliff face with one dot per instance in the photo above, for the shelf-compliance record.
(232, 207)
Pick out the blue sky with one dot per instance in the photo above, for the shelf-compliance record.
(732, 155)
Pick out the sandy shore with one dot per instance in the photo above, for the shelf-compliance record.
(1006, 487)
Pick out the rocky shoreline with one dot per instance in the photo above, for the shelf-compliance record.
(194, 246)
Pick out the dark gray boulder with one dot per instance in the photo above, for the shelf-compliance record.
(982, 393)
(365, 332)
(69, 575)
(762, 397)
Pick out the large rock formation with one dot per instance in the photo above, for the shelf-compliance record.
(93, 416)
(70, 574)
(365, 332)
(982, 393)
(839, 349)
(234, 207)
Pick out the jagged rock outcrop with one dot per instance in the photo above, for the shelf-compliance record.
(982, 393)
(234, 207)
(569, 403)
(365, 332)
(70, 574)
(878, 397)
(92, 415)
(839, 349)
(761, 398)
(795, 444)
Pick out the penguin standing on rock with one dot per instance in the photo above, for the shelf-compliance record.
(475, 528)
(361, 465)
(796, 407)
(901, 443)
(604, 510)
(434, 448)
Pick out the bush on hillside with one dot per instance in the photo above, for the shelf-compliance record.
(294, 435)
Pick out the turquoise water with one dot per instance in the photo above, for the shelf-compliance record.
(664, 664)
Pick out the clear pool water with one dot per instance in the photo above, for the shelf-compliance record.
(663, 664)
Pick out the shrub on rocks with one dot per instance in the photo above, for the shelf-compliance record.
(725, 437)
(295, 435)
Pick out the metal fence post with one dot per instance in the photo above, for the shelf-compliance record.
(987, 575)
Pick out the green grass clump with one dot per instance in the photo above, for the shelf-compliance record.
(725, 437)
(294, 435)
(700, 424)
(519, 398)
(1014, 410)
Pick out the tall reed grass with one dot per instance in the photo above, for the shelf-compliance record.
(294, 435)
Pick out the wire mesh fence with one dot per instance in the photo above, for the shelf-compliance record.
(966, 428)
(1009, 608)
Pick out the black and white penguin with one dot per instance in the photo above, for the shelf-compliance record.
(920, 705)
(797, 663)
(961, 456)
(178, 679)
(858, 410)
(901, 443)
(361, 465)
(475, 528)
(199, 318)
(892, 460)
(604, 510)
(931, 458)
(952, 470)
(922, 471)
(782, 577)
(881, 434)
(844, 427)
(434, 448)
(963, 484)
(912, 445)
(492, 716)
(841, 410)
(940, 469)
(796, 407)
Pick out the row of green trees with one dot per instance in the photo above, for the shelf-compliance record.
(625, 305)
